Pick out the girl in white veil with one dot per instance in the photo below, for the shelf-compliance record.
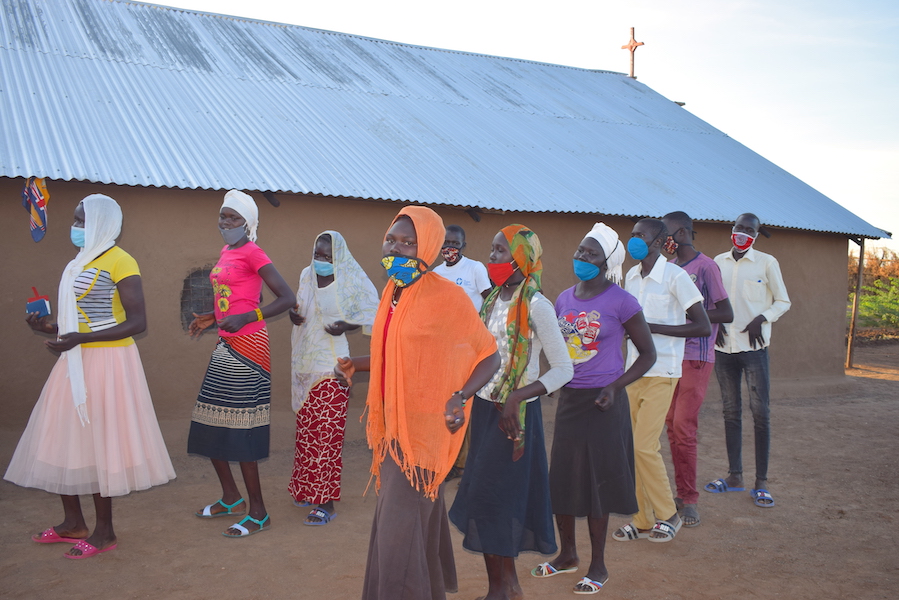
(93, 429)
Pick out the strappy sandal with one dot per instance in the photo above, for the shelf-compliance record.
(547, 570)
(244, 532)
(589, 586)
(207, 513)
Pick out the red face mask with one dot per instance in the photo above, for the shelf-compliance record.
(741, 241)
(500, 272)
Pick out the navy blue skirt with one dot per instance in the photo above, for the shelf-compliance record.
(503, 506)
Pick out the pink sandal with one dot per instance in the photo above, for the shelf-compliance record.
(88, 550)
(49, 536)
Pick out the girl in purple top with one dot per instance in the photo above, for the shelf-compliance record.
(592, 462)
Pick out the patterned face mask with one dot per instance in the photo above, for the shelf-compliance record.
(404, 271)
(670, 246)
(450, 254)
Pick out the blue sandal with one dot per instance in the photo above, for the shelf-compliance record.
(763, 498)
(207, 513)
(320, 513)
(244, 532)
(719, 486)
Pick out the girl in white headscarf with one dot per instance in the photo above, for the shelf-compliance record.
(592, 460)
(230, 421)
(334, 296)
(93, 430)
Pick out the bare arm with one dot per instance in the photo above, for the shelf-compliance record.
(722, 313)
(479, 377)
(284, 299)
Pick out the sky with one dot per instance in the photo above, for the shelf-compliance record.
(813, 86)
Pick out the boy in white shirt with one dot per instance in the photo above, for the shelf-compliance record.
(468, 273)
(668, 298)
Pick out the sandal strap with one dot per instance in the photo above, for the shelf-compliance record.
(630, 531)
(664, 527)
(591, 584)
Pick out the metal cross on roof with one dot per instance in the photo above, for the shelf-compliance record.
(632, 46)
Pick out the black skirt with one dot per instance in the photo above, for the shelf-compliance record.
(592, 460)
(502, 506)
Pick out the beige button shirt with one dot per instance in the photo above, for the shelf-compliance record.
(755, 287)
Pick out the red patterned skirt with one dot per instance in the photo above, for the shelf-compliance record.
(321, 424)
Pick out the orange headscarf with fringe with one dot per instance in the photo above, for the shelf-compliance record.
(434, 342)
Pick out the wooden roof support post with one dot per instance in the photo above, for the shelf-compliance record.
(858, 292)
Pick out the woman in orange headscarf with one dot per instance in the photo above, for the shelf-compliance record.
(430, 353)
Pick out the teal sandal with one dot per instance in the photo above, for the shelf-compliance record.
(207, 513)
(244, 532)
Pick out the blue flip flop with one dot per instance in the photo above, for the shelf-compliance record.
(719, 486)
(322, 514)
(763, 498)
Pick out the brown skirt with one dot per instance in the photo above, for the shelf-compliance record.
(410, 554)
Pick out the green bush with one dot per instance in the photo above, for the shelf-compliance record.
(879, 305)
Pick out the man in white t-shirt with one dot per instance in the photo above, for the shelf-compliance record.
(468, 273)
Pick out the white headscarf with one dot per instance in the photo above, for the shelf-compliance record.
(612, 248)
(246, 208)
(102, 225)
(312, 346)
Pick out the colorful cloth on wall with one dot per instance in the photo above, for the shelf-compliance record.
(35, 198)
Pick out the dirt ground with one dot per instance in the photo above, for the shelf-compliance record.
(832, 534)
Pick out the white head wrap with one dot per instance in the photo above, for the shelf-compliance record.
(246, 208)
(313, 353)
(612, 248)
(102, 225)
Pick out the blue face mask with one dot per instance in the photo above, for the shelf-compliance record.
(323, 268)
(404, 271)
(637, 248)
(585, 271)
(77, 236)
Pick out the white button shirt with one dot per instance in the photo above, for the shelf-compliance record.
(665, 295)
(755, 287)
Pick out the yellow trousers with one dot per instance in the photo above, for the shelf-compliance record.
(650, 399)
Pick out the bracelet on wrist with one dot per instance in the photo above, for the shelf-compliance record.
(259, 316)
(462, 395)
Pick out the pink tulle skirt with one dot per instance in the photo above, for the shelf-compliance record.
(121, 450)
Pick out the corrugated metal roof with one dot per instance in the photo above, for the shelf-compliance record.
(140, 94)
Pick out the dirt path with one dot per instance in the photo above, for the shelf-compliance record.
(832, 534)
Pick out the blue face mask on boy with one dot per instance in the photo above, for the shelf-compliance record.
(637, 248)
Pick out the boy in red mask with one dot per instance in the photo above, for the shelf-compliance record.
(759, 297)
